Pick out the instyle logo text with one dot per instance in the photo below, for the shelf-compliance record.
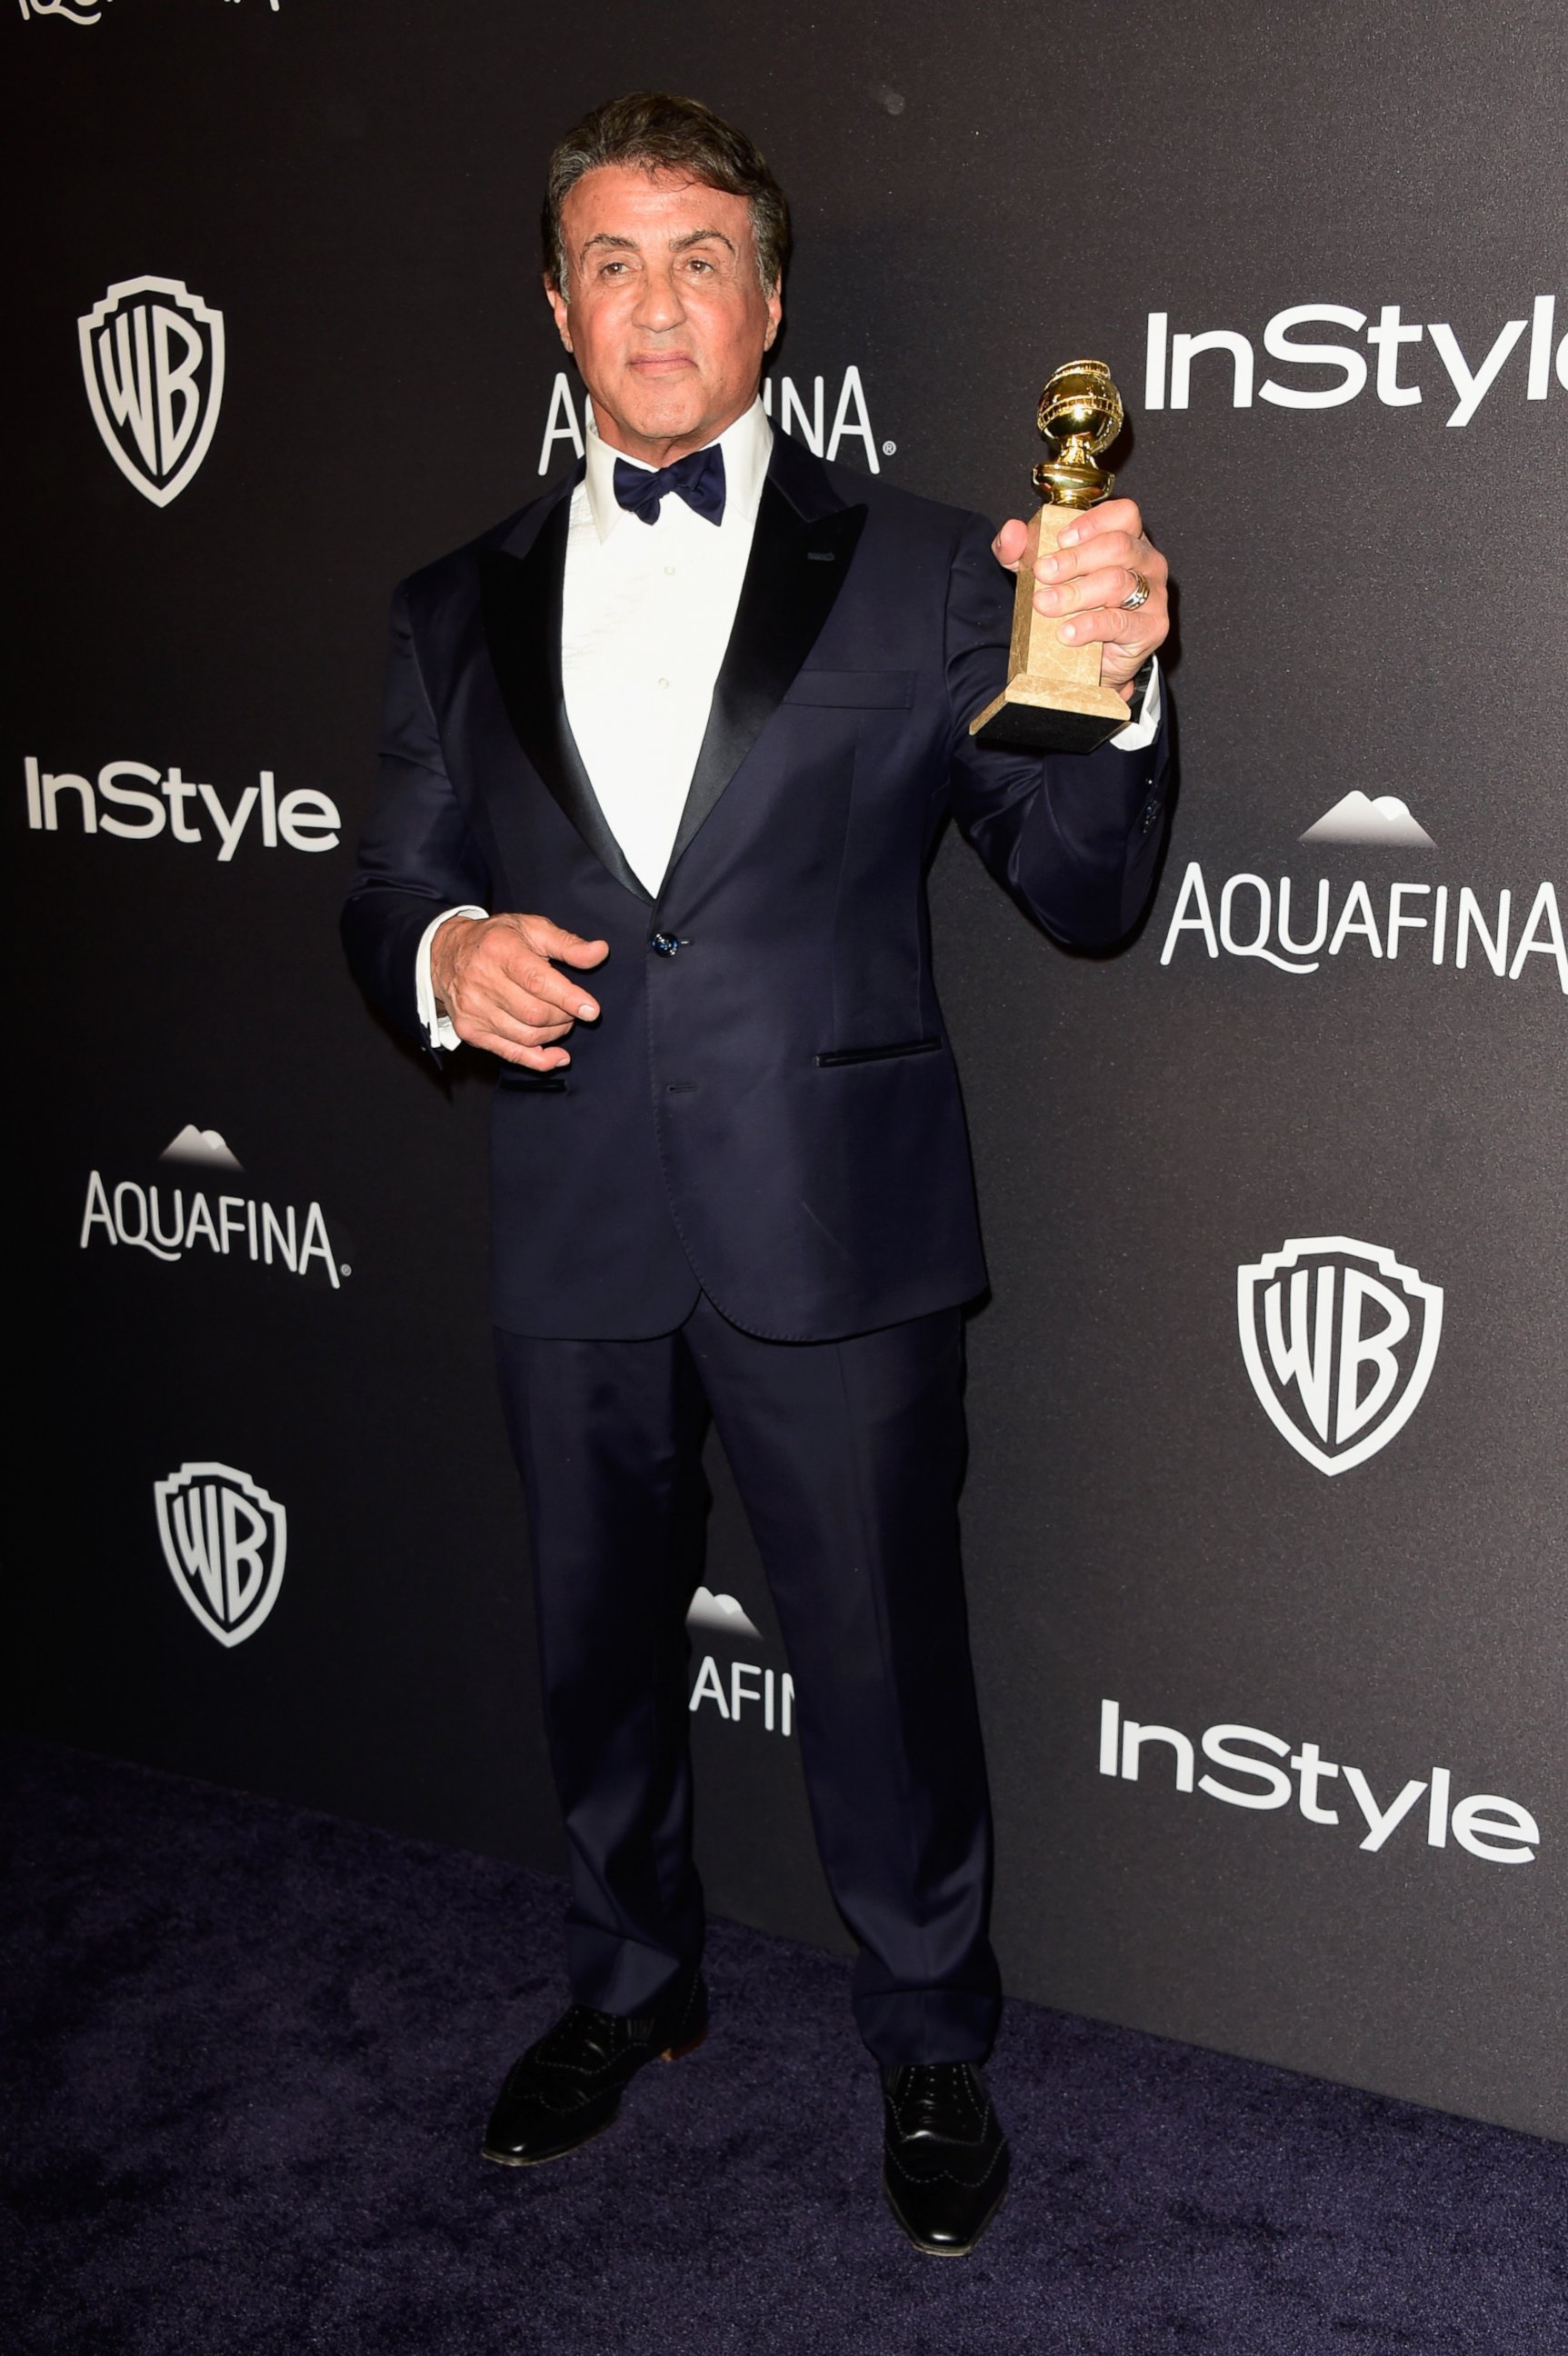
(135, 802)
(1261, 1770)
(1188, 369)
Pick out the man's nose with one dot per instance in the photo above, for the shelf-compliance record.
(660, 305)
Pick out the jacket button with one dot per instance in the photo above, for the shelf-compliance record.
(664, 944)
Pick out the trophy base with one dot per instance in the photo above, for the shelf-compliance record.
(1053, 701)
(1022, 721)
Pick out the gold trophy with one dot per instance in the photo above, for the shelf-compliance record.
(1053, 701)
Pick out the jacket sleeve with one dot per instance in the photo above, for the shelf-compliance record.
(1074, 838)
(416, 855)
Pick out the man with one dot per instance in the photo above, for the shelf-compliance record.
(690, 725)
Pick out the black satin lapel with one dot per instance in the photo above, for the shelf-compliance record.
(793, 576)
(520, 598)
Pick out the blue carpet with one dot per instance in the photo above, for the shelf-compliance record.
(250, 2051)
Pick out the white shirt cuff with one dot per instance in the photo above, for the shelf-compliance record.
(1140, 733)
(438, 1027)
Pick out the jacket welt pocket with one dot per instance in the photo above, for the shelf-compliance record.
(516, 1083)
(854, 691)
(877, 1055)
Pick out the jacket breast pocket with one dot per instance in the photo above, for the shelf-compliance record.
(854, 691)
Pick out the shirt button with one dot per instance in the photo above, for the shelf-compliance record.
(670, 570)
(663, 683)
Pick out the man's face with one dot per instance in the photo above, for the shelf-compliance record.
(666, 316)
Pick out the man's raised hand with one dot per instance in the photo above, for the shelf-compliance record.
(1089, 579)
(495, 978)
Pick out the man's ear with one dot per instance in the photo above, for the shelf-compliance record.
(557, 301)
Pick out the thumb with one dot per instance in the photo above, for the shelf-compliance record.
(1008, 545)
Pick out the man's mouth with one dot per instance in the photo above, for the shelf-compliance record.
(661, 363)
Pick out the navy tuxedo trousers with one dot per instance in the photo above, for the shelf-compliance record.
(848, 1456)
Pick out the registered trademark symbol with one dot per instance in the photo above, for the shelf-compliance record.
(889, 449)
(344, 1269)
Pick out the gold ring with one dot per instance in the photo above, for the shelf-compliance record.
(1140, 595)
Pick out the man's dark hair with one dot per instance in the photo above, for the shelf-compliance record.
(657, 132)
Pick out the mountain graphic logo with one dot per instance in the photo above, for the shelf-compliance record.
(204, 1145)
(720, 1613)
(1358, 818)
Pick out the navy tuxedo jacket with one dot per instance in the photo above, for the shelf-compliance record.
(772, 1113)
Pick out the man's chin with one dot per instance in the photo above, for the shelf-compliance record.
(664, 410)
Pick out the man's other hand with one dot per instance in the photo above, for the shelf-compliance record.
(494, 978)
(1089, 579)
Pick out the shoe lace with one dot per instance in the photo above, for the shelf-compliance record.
(580, 2036)
(936, 2099)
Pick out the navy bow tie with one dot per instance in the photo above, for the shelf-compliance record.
(698, 478)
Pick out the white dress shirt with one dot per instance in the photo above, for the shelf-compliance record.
(646, 616)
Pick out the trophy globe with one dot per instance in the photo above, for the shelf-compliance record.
(1054, 700)
(1080, 416)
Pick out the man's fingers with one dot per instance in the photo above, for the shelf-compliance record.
(551, 940)
(525, 1020)
(531, 1059)
(1142, 630)
(534, 1023)
(513, 973)
(1112, 586)
(555, 941)
(533, 1055)
(1094, 555)
(538, 998)
(505, 995)
(1145, 624)
(544, 985)
(1066, 563)
(491, 1001)
(1102, 558)
(1111, 515)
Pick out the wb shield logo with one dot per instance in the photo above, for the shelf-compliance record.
(224, 1540)
(1339, 1341)
(152, 355)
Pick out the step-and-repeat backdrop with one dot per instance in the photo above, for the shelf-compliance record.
(1267, 1516)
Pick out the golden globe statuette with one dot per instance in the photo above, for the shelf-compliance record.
(1053, 701)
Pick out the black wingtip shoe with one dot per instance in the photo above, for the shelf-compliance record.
(944, 2161)
(567, 2088)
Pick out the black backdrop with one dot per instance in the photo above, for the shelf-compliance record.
(1371, 605)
